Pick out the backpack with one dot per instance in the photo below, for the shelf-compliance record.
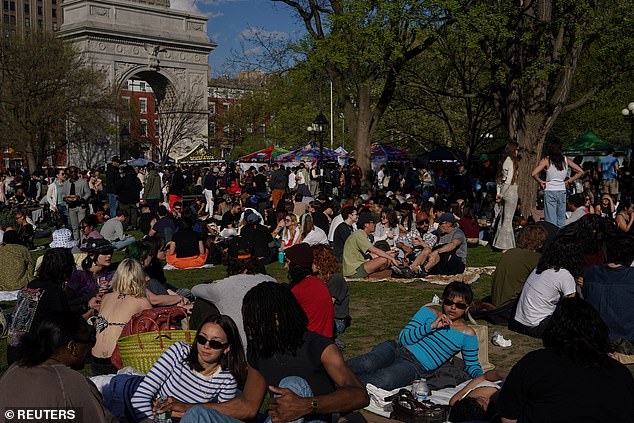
(24, 314)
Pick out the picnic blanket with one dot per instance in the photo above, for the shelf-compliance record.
(469, 276)
(9, 295)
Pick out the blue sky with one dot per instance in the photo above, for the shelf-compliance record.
(231, 21)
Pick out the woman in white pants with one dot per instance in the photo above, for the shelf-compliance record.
(507, 192)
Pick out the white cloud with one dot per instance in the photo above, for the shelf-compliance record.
(251, 32)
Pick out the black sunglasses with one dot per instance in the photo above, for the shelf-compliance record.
(422, 222)
(213, 344)
(449, 303)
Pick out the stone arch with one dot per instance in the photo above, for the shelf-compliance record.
(167, 48)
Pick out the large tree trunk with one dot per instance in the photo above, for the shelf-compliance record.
(362, 136)
(29, 152)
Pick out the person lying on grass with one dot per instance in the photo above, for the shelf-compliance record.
(429, 342)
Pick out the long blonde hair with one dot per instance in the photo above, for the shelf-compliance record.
(129, 279)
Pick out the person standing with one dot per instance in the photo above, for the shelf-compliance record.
(507, 193)
(556, 166)
(55, 195)
(152, 188)
(176, 187)
(609, 168)
(112, 179)
(76, 194)
(210, 187)
(129, 192)
(278, 184)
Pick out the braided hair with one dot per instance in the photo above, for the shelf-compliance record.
(274, 322)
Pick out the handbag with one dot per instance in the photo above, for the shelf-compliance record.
(408, 410)
(152, 320)
(482, 333)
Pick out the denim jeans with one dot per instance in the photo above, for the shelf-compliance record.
(200, 414)
(388, 366)
(340, 326)
(113, 200)
(555, 207)
(120, 245)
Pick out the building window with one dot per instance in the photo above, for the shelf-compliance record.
(211, 129)
(5, 19)
(225, 130)
(143, 128)
(54, 12)
(143, 105)
(27, 22)
(12, 20)
(54, 26)
(212, 108)
(5, 5)
(40, 24)
(225, 107)
(157, 127)
(27, 8)
(39, 11)
(12, 6)
(142, 85)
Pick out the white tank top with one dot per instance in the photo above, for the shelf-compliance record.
(555, 178)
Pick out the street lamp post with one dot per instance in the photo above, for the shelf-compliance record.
(318, 129)
(628, 115)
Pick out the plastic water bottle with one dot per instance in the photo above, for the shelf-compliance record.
(280, 257)
(421, 390)
(164, 417)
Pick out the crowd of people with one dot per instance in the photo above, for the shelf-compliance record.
(571, 259)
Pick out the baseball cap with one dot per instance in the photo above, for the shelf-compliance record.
(446, 217)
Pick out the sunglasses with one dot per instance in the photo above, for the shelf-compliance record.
(213, 344)
(422, 222)
(449, 303)
(106, 252)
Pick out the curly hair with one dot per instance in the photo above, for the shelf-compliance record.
(532, 237)
(594, 230)
(274, 322)
(57, 266)
(325, 261)
(577, 332)
(564, 252)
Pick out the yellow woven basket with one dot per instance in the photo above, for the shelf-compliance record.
(143, 349)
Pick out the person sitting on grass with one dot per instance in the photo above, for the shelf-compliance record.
(186, 249)
(551, 384)
(47, 376)
(449, 256)
(128, 297)
(112, 230)
(214, 363)
(356, 263)
(429, 341)
(553, 279)
(304, 371)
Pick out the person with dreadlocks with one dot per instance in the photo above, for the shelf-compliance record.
(304, 371)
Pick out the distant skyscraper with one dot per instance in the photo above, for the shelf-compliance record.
(19, 16)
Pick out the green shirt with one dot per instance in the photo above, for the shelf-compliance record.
(354, 251)
(60, 192)
(511, 273)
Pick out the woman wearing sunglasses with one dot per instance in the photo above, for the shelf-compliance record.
(429, 341)
(209, 370)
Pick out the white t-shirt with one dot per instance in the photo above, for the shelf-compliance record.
(292, 183)
(541, 293)
(316, 236)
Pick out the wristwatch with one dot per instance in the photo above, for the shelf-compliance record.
(314, 404)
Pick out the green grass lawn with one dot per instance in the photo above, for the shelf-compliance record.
(379, 310)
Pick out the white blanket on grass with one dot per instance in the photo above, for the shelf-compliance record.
(379, 406)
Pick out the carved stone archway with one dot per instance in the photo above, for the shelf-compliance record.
(125, 38)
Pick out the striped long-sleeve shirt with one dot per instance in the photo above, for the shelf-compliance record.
(172, 376)
(433, 347)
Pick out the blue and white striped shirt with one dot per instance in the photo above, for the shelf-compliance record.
(172, 376)
(433, 347)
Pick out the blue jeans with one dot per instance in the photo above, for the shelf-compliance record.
(120, 245)
(201, 414)
(113, 200)
(340, 326)
(388, 366)
(555, 207)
